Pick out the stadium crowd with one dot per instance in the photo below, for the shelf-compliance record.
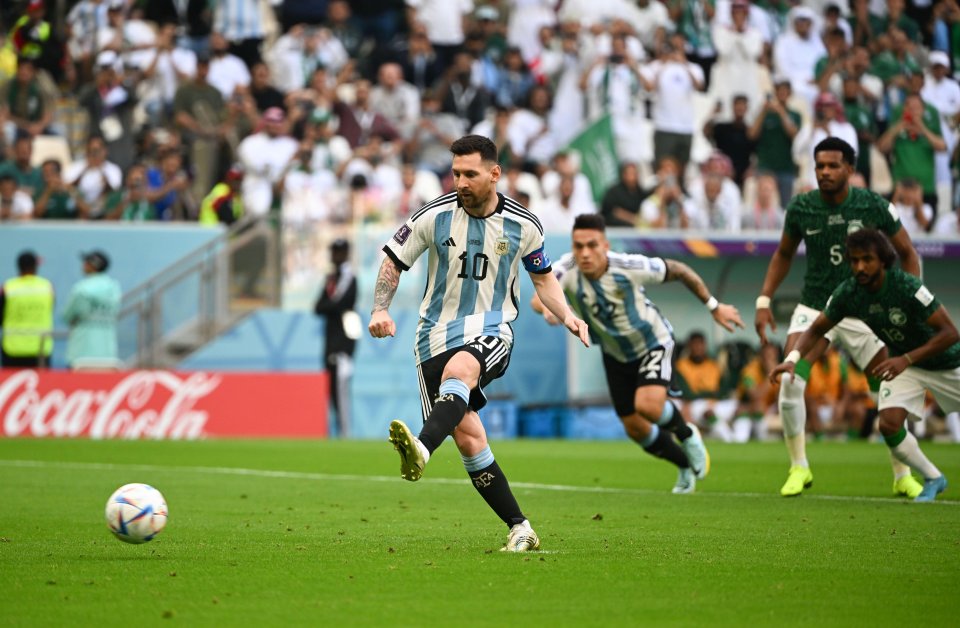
(329, 111)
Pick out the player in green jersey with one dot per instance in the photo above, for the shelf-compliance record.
(822, 219)
(921, 338)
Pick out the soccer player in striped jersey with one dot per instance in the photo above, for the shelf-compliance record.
(477, 240)
(921, 338)
(821, 219)
(607, 289)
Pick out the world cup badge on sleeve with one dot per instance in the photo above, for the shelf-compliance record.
(502, 246)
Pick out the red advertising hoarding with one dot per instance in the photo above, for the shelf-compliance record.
(162, 404)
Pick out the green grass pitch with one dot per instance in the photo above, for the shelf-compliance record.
(277, 533)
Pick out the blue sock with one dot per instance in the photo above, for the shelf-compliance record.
(651, 437)
(672, 420)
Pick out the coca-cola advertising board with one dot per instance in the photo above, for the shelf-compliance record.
(162, 404)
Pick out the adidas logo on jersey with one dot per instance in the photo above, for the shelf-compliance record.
(449, 242)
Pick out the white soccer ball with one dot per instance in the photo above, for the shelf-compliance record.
(136, 513)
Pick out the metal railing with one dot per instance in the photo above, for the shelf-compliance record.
(200, 295)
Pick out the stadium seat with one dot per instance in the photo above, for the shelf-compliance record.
(51, 147)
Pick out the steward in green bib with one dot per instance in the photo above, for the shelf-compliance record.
(26, 304)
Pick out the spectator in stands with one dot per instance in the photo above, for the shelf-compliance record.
(14, 204)
(420, 64)
(943, 92)
(567, 164)
(560, 210)
(238, 22)
(715, 204)
(531, 139)
(33, 38)
(331, 152)
(168, 67)
(29, 179)
(613, 85)
(621, 202)
(674, 80)
(459, 94)
(359, 122)
(693, 20)
(307, 189)
(168, 188)
(131, 204)
(767, 212)
(797, 50)
(264, 157)
(444, 21)
(916, 216)
(345, 30)
(651, 21)
(514, 80)
(343, 327)
(224, 203)
(25, 104)
(395, 99)
(834, 61)
(129, 37)
(94, 176)
(26, 316)
(264, 94)
(774, 130)
(429, 145)
(200, 113)
(227, 71)
(419, 187)
(824, 391)
(667, 207)
(911, 140)
(737, 72)
(756, 395)
(109, 102)
(319, 94)
(828, 121)
(700, 384)
(58, 200)
(91, 312)
(733, 138)
(859, 114)
(84, 21)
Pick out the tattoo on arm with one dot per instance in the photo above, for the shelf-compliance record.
(680, 271)
(387, 281)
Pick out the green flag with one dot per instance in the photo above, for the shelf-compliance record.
(598, 155)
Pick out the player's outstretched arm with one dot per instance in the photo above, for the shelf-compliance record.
(725, 314)
(551, 296)
(381, 324)
(537, 306)
(776, 272)
(945, 336)
(807, 341)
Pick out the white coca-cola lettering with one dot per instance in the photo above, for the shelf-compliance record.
(144, 404)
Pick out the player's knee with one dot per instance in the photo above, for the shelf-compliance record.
(463, 367)
(890, 422)
(636, 427)
(649, 407)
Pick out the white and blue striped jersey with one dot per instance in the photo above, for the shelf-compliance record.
(473, 275)
(622, 320)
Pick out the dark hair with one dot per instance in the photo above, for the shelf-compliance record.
(740, 97)
(470, 144)
(27, 262)
(590, 221)
(55, 162)
(839, 145)
(872, 240)
(696, 334)
(7, 177)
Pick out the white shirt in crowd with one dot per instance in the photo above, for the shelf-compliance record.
(557, 217)
(673, 110)
(91, 184)
(21, 206)
(908, 218)
(165, 81)
(724, 214)
(400, 106)
(264, 159)
(443, 19)
(136, 33)
(226, 73)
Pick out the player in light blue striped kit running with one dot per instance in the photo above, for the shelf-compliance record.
(477, 240)
(607, 290)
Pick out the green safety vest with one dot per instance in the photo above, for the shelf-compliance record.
(27, 315)
(208, 215)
